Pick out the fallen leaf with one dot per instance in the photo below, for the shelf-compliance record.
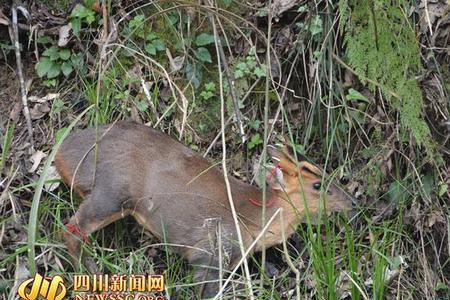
(3, 19)
(52, 175)
(36, 159)
(65, 33)
(39, 110)
(21, 273)
(46, 98)
(175, 63)
(280, 6)
(15, 112)
(435, 217)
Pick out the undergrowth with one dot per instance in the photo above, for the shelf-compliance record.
(382, 48)
(162, 70)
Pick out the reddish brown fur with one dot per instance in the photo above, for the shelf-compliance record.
(173, 192)
(65, 174)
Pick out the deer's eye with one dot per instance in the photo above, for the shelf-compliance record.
(317, 185)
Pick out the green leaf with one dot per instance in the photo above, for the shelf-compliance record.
(193, 74)
(260, 71)
(44, 40)
(358, 116)
(173, 18)
(58, 106)
(210, 86)
(43, 66)
(50, 83)
(242, 66)
(443, 188)
(159, 45)
(397, 192)
(52, 53)
(142, 105)
(77, 61)
(76, 27)
(238, 74)
(255, 124)
(150, 49)
(254, 141)
(66, 68)
(299, 148)
(316, 25)
(59, 134)
(90, 18)
(54, 71)
(64, 54)
(302, 8)
(206, 95)
(427, 185)
(79, 11)
(204, 39)
(136, 21)
(227, 3)
(203, 54)
(82, 12)
(151, 36)
(355, 95)
(440, 286)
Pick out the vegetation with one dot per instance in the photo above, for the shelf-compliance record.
(358, 87)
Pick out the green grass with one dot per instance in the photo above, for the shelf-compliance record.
(6, 146)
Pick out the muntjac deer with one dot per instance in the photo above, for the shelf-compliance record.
(174, 193)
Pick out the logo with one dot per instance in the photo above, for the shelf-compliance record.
(48, 288)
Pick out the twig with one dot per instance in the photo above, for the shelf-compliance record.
(216, 138)
(427, 14)
(341, 62)
(266, 137)
(249, 249)
(229, 119)
(224, 167)
(289, 260)
(23, 88)
(105, 21)
(231, 84)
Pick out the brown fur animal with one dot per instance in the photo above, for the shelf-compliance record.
(174, 192)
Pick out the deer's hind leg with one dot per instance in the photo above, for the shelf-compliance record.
(96, 211)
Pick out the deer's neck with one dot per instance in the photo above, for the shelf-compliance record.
(250, 208)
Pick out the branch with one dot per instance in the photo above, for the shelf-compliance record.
(14, 34)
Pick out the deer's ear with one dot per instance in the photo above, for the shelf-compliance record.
(275, 178)
(308, 170)
(275, 153)
(283, 159)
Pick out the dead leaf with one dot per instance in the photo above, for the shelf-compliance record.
(175, 63)
(65, 33)
(15, 112)
(36, 159)
(135, 115)
(96, 6)
(21, 273)
(52, 175)
(280, 6)
(430, 12)
(39, 110)
(3, 19)
(46, 98)
(113, 34)
(435, 217)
